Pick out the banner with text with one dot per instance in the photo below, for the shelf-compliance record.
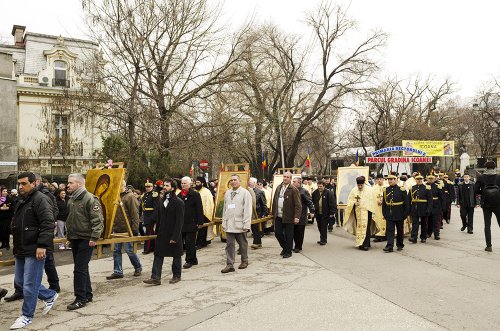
(431, 147)
(399, 159)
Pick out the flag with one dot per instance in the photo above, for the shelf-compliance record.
(308, 160)
(264, 161)
(191, 170)
(357, 159)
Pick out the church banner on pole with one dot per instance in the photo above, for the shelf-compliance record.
(430, 147)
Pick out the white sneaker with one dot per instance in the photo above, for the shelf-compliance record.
(21, 322)
(49, 304)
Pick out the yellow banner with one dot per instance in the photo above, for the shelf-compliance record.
(431, 147)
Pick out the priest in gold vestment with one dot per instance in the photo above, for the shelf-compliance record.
(207, 234)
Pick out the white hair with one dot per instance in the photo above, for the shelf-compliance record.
(186, 178)
(78, 177)
(252, 180)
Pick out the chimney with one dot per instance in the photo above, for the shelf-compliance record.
(18, 33)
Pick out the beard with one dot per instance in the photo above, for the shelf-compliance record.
(198, 187)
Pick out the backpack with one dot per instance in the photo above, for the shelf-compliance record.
(491, 195)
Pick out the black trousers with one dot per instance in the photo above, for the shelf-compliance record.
(82, 253)
(487, 213)
(141, 229)
(331, 222)
(5, 232)
(256, 234)
(158, 266)
(322, 222)
(189, 240)
(284, 233)
(149, 245)
(391, 226)
(298, 235)
(415, 222)
(434, 223)
(201, 239)
(467, 216)
(50, 271)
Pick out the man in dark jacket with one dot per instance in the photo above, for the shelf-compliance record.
(33, 235)
(438, 206)
(395, 209)
(487, 187)
(129, 206)
(306, 201)
(148, 214)
(466, 201)
(325, 206)
(193, 219)
(169, 234)
(421, 207)
(259, 210)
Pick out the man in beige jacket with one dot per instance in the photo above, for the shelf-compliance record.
(236, 221)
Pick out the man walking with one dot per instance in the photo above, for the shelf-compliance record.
(147, 210)
(421, 207)
(287, 209)
(259, 209)
(128, 201)
(325, 206)
(487, 187)
(307, 203)
(236, 221)
(84, 226)
(466, 201)
(33, 233)
(169, 234)
(438, 206)
(395, 209)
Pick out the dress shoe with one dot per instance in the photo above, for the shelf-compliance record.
(363, 248)
(423, 241)
(295, 250)
(463, 228)
(152, 281)
(400, 248)
(287, 255)
(412, 240)
(437, 237)
(488, 249)
(3, 292)
(187, 265)
(282, 252)
(227, 269)
(114, 276)
(174, 280)
(330, 229)
(388, 249)
(322, 243)
(137, 272)
(256, 246)
(76, 305)
(15, 296)
(447, 221)
(470, 232)
(243, 265)
(90, 300)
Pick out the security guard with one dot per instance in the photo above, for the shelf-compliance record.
(147, 212)
(438, 205)
(421, 206)
(395, 209)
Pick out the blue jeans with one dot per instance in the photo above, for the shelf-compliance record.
(28, 275)
(117, 257)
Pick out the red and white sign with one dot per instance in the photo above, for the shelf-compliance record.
(203, 164)
(399, 159)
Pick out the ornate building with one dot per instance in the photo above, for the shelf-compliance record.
(53, 137)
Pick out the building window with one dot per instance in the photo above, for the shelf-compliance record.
(60, 74)
(61, 129)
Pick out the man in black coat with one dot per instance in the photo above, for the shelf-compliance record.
(421, 207)
(325, 206)
(193, 219)
(395, 209)
(148, 214)
(466, 201)
(259, 211)
(306, 200)
(169, 234)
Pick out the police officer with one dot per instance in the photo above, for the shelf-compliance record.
(438, 205)
(421, 206)
(395, 209)
(147, 210)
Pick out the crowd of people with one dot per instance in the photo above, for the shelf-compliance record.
(179, 212)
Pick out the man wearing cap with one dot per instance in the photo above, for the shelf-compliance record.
(449, 193)
(359, 214)
(205, 234)
(395, 209)
(421, 207)
(466, 201)
(147, 210)
(378, 216)
(438, 206)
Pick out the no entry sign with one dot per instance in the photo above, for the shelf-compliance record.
(203, 164)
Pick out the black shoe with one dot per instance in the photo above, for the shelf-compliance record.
(114, 276)
(152, 281)
(187, 265)
(3, 292)
(322, 243)
(363, 248)
(488, 249)
(441, 227)
(463, 228)
(387, 250)
(90, 300)
(282, 252)
(447, 221)
(470, 232)
(400, 248)
(423, 241)
(437, 237)
(295, 250)
(76, 305)
(412, 240)
(137, 272)
(330, 229)
(15, 296)
(286, 256)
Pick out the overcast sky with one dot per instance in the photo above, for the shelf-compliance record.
(443, 38)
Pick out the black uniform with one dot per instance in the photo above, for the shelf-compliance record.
(395, 209)
(467, 201)
(449, 195)
(147, 210)
(438, 205)
(421, 207)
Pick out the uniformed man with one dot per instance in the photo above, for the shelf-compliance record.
(395, 209)
(421, 207)
(449, 192)
(434, 220)
(147, 210)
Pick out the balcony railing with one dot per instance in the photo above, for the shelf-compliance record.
(60, 82)
(61, 147)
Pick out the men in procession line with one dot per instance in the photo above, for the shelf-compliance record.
(438, 206)
(169, 234)
(131, 215)
(325, 206)
(33, 233)
(421, 208)
(236, 221)
(359, 214)
(466, 201)
(307, 205)
(147, 210)
(449, 196)
(259, 210)
(287, 209)
(487, 187)
(395, 209)
(378, 216)
(205, 234)
(84, 224)
(193, 220)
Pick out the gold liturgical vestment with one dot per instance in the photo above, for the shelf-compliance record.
(207, 200)
(356, 219)
(378, 217)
